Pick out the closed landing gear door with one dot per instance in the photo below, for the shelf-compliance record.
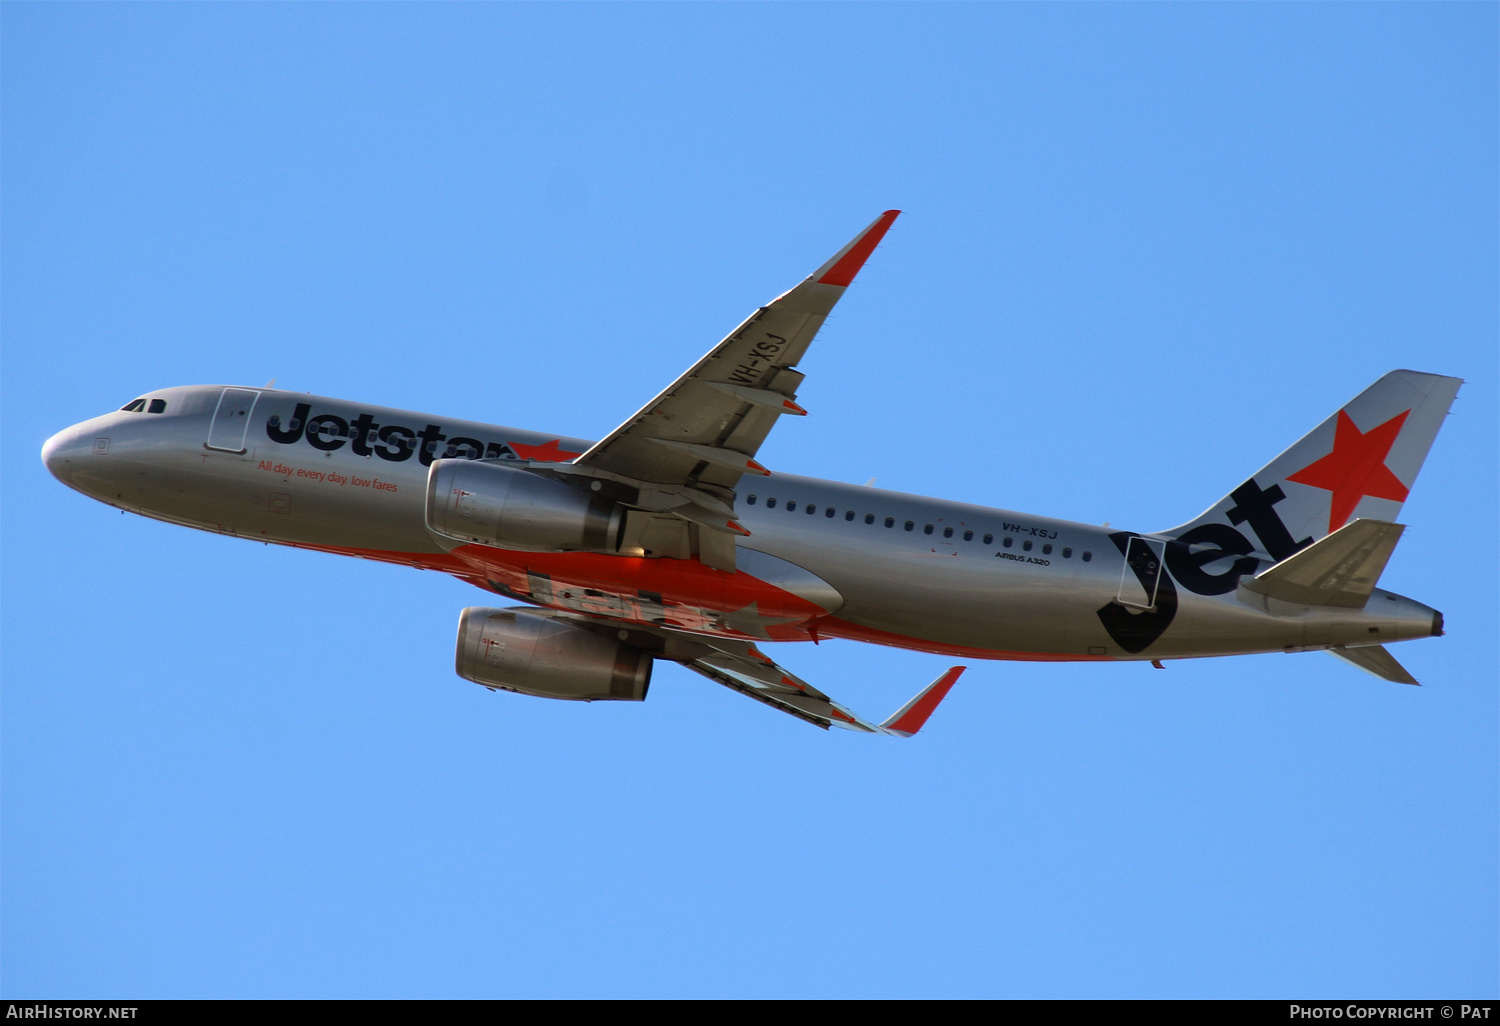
(232, 420)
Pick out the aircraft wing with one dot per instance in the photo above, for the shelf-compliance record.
(741, 666)
(751, 672)
(703, 431)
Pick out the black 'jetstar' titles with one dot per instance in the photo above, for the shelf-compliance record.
(1222, 541)
(431, 435)
(335, 426)
(1135, 631)
(360, 429)
(393, 443)
(275, 432)
(397, 443)
(464, 448)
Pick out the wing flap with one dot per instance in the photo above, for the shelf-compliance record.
(774, 699)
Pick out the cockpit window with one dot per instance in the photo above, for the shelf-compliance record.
(135, 407)
(158, 406)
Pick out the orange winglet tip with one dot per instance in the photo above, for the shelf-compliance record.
(792, 407)
(756, 468)
(736, 528)
(910, 717)
(846, 264)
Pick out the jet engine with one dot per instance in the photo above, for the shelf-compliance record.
(519, 651)
(512, 508)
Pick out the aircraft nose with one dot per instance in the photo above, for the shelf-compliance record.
(59, 452)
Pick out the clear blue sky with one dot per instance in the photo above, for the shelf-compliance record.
(1144, 249)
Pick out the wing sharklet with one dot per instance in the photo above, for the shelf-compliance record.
(845, 264)
(907, 720)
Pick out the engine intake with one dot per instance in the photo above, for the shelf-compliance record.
(511, 508)
(535, 655)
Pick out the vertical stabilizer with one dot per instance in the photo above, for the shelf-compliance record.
(1359, 463)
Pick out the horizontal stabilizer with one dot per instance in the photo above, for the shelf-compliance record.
(1375, 659)
(1340, 570)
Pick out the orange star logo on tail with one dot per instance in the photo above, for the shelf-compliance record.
(1356, 468)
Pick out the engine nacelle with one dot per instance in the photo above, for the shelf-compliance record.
(536, 655)
(511, 508)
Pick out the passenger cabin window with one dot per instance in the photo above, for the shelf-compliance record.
(135, 407)
(811, 510)
(850, 515)
(750, 500)
(1046, 550)
(1067, 553)
(910, 525)
(771, 503)
(989, 539)
(890, 521)
(1087, 556)
(1006, 541)
(870, 518)
(829, 512)
(1026, 545)
(791, 505)
(947, 532)
(927, 529)
(968, 536)
(158, 406)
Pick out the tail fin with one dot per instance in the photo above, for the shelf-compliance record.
(1360, 462)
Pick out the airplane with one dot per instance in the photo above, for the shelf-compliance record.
(668, 540)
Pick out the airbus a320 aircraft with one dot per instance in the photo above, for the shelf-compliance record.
(667, 540)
